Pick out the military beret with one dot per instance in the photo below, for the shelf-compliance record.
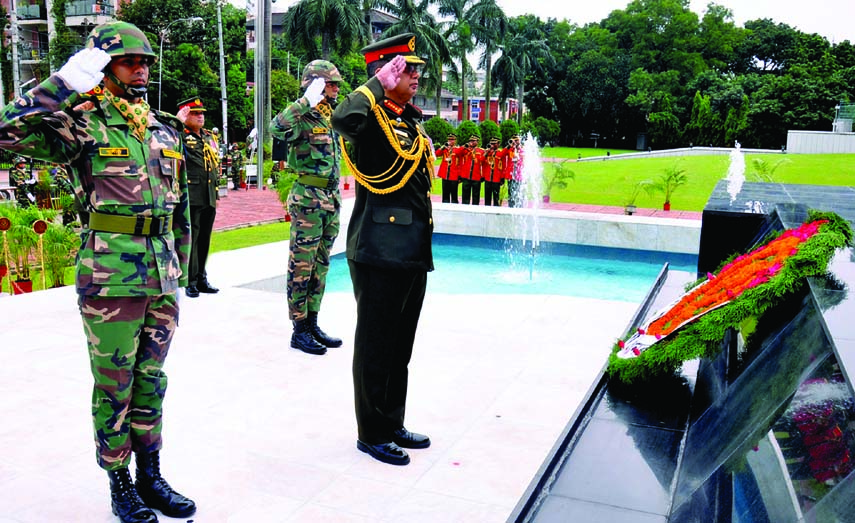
(386, 49)
(195, 105)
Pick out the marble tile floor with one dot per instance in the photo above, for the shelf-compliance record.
(258, 432)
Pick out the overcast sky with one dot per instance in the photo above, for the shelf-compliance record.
(832, 19)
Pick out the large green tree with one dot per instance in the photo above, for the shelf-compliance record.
(460, 39)
(414, 17)
(338, 24)
(523, 51)
(489, 24)
(194, 70)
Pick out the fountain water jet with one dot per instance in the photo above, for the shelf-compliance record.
(522, 245)
(735, 172)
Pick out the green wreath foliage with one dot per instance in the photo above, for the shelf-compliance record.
(703, 338)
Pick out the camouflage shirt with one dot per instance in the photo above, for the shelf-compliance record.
(313, 149)
(112, 172)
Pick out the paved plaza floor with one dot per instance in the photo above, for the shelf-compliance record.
(258, 432)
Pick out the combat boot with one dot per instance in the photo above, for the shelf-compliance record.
(126, 502)
(156, 492)
(304, 340)
(320, 335)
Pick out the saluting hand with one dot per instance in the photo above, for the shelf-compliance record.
(390, 73)
(315, 91)
(82, 72)
(183, 113)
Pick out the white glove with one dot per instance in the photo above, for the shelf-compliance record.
(315, 92)
(82, 72)
(390, 73)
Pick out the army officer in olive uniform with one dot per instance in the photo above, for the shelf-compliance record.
(388, 240)
(203, 169)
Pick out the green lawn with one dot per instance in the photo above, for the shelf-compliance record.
(249, 236)
(610, 181)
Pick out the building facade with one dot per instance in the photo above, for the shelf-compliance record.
(29, 28)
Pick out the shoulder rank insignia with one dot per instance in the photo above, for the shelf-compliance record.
(320, 130)
(392, 106)
(169, 153)
(113, 152)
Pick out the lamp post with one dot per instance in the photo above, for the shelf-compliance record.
(160, 57)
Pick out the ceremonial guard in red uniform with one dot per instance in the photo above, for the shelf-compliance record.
(470, 157)
(448, 170)
(493, 172)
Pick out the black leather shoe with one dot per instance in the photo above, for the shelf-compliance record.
(410, 440)
(386, 452)
(207, 288)
(191, 291)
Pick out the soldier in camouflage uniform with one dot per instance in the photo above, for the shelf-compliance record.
(126, 168)
(23, 182)
(314, 202)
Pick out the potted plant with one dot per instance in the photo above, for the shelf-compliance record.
(668, 182)
(23, 242)
(60, 247)
(557, 178)
(637, 187)
(43, 190)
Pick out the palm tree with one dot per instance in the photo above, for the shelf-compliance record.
(522, 51)
(459, 35)
(489, 24)
(431, 44)
(338, 23)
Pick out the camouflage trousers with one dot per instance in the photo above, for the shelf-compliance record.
(313, 232)
(128, 339)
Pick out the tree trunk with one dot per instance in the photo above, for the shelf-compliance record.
(465, 113)
(439, 96)
(520, 92)
(487, 88)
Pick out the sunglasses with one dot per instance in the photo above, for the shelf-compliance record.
(413, 69)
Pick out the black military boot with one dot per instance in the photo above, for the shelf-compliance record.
(303, 340)
(320, 335)
(156, 492)
(126, 502)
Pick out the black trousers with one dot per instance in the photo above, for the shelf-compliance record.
(491, 193)
(449, 191)
(472, 189)
(388, 305)
(201, 226)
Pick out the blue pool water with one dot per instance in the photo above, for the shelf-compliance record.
(475, 265)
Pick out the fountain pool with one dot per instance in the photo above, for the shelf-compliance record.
(477, 265)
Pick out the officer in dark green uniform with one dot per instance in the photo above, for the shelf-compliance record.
(388, 240)
(314, 201)
(126, 169)
(203, 169)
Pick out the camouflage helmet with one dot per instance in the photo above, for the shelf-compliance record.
(319, 69)
(119, 39)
